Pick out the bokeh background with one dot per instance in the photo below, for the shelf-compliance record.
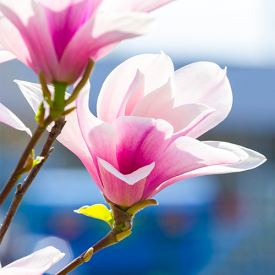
(208, 225)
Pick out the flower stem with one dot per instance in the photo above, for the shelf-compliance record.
(121, 230)
(108, 240)
(22, 189)
(58, 104)
(19, 169)
(123, 217)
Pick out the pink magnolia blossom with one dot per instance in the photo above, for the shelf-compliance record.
(34, 264)
(149, 117)
(9, 118)
(59, 37)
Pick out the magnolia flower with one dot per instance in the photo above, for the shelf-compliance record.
(9, 118)
(149, 117)
(59, 37)
(34, 264)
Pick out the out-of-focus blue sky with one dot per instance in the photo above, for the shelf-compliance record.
(235, 32)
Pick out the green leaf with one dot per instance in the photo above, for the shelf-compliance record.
(97, 211)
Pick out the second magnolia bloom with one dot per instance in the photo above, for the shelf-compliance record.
(149, 117)
(47, 35)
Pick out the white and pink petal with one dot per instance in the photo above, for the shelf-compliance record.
(156, 68)
(186, 117)
(184, 155)
(156, 103)
(93, 40)
(133, 95)
(30, 21)
(99, 137)
(123, 189)
(64, 18)
(140, 141)
(205, 83)
(36, 263)
(13, 44)
(248, 159)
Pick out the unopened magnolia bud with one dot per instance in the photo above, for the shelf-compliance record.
(39, 117)
(88, 255)
(28, 165)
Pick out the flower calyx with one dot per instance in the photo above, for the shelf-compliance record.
(123, 216)
(57, 102)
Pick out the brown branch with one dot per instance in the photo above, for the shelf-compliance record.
(22, 189)
(108, 240)
(121, 230)
(19, 169)
(123, 224)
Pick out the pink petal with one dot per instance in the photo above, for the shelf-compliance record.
(34, 264)
(65, 18)
(94, 38)
(135, 5)
(184, 155)
(156, 68)
(99, 136)
(186, 117)
(5, 55)
(140, 141)
(77, 149)
(13, 42)
(181, 116)
(124, 190)
(248, 159)
(156, 103)
(206, 83)
(28, 17)
(9, 118)
(134, 94)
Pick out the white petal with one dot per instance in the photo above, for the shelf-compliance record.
(33, 94)
(206, 83)
(9, 118)
(249, 159)
(5, 55)
(34, 264)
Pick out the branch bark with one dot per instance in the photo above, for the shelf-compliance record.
(19, 169)
(22, 188)
(122, 226)
(121, 230)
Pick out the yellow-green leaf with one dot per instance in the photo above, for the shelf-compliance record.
(97, 211)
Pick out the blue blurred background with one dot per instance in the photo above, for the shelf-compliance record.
(208, 225)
